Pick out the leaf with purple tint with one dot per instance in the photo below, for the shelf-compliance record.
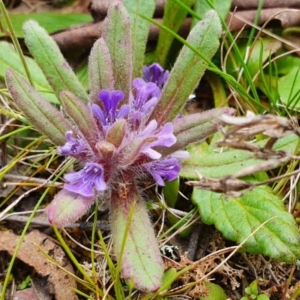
(46, 118)
(67, 207)
(141, 258)
(189, 68)
(139, 30)
(80, 114)
(100, 70)
(117, 35)
(196, 127)
(48, 56)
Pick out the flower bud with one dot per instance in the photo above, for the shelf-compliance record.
(106, 149)
(116, 133)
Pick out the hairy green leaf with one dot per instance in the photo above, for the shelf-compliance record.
(188, 69)
(67, 207)
(46, 118)
(117, 35)
(237, 218)
(216, 165)
(141, 258)
(196, 127)
(82, 74)
(80, 114)
(139, 30)
(48, 56)
(100, 70)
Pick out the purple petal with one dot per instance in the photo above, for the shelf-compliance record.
(98, 113)
(74, 147)
(110, 100)
(149, 106)
(144, 92)
(149, 129)
(155, 73)
(150, 152)
(165, 137)
(123, 111)
(149, 132)
(181, 155)
(87, 181)
(163, 169)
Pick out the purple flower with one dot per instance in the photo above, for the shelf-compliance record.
(86, 182)
(77, 148)
(110, 114)
(145, 91)
(127, 142)
(167, 168)
(164, 137)
(136, 138)
(155, 73)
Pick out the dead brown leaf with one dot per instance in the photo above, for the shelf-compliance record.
(27, 294)
(59, 282)
(200, 269)
(243, 129)
(287, 17)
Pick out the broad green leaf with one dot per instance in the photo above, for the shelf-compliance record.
(48, 56)
(222, 7)
(289, 88)
(215, 292)
(10, 59)
(286, 63)
(174, 15)
(117, 36)
(100, 70)
(188, 69)
(141, 258)
(52, 22)
(46, 118)
(218, 164)
(139, 30)
(237, 218)
(260, 52)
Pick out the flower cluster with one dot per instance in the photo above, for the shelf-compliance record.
(126, 140)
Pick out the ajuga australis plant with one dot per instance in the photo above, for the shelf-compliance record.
(126, 129)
